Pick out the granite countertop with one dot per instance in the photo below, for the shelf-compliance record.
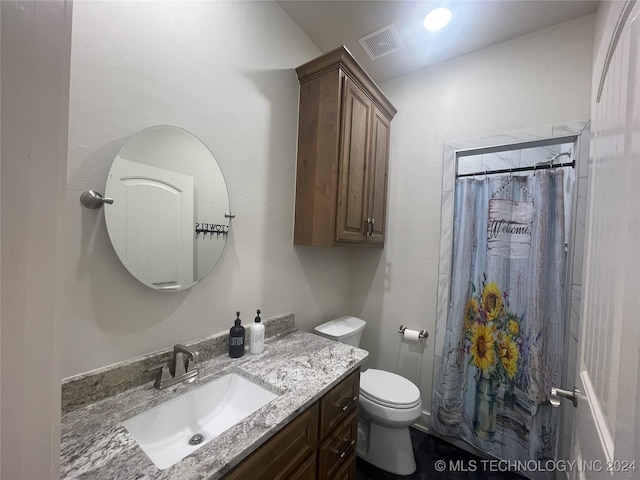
(298, 365)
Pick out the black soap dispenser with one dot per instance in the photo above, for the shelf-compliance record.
(236, 339)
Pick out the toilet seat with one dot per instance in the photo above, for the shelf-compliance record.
(388, 389)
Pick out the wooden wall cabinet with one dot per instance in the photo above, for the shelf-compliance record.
(319, 444)
(343, 154)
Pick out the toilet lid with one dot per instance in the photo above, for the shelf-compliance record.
(341, 327)
(388, 389)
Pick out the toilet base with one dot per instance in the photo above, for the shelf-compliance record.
(387, 448)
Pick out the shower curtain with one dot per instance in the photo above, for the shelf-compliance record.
(504, 332)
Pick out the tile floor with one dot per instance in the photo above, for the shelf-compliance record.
(428, 451)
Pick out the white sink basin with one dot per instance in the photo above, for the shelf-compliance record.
(164, 432)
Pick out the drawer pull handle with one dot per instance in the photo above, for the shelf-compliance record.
(346, 406)
(346, 451)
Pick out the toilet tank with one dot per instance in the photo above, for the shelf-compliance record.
(346, 329)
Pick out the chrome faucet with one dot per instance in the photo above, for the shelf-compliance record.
(183, 367)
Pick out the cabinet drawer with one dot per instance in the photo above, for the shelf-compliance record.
(338, 449)
(348, 470)
(284, 456)
(339, 403)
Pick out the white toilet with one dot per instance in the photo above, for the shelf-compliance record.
(389, 403)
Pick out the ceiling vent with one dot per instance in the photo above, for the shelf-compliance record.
(381, 42)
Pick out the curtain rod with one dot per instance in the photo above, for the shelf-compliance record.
(518, 169)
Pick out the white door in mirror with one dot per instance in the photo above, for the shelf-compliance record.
(150, 223)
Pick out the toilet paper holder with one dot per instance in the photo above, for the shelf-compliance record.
(421, 334)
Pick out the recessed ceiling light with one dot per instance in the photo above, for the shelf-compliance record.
(436, 19)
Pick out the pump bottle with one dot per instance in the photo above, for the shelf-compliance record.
(236, 339)
(256, 336)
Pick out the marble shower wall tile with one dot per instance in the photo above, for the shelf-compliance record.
(582, 149)
(469, 164)
(446, 233)
(533, 156)
(501, 160)
(578, 238)
(567, 129)
(442, 311)
(448, 169)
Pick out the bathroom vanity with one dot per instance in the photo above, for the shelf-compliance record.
(307, 432)
(318, 444)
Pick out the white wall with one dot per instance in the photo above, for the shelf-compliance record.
(225, 72)
(536, 80)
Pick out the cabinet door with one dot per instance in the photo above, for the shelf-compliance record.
(306, 471)
(378, 169)
(290, 454)
(351, 222)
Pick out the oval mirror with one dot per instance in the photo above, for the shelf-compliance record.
(170, 214)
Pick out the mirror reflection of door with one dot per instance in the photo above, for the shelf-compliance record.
(152, 219)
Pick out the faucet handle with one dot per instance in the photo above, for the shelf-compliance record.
(179, 364)
(191, 364)
(195, 356)
(191, 353)
(185, 359)
(163, 378)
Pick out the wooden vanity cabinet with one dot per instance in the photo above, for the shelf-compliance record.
(339, 429)
(289, 454)
(319, 444)
(338, 451)
(343, 154)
